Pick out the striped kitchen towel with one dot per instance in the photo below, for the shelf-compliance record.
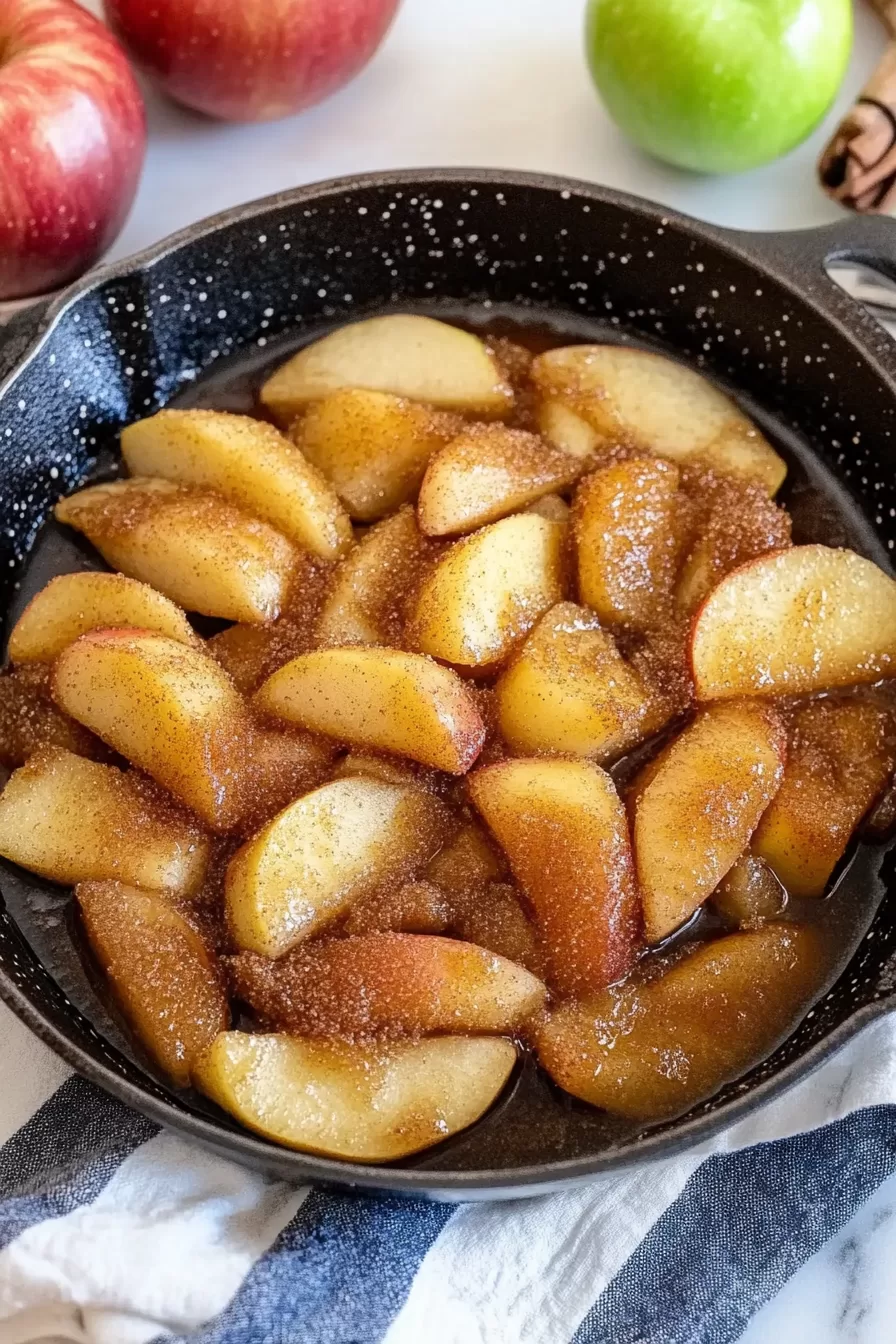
(113, 1232)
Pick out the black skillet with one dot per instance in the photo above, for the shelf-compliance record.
(193, 317)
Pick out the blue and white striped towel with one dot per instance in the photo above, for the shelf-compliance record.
(113, 1232)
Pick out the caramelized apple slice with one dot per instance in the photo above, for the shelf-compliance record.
(372, 447)
(365, 602)
(72, 604)
(315, 859)
(495, 919)
(167, 708)
(750, 894)
(248, 462)
(702, 803)
(392, 983)
(401, 907)
(842, 753)
(570, 690)
(366, 1103)
(467, 863)
(794, 622)
(630, 530)
(73, 820)
(486, 473)
(29, 719)
(275, 770)
(564, 831)
(657, 406)
(552, 507)
(160, 970)
(566, 430)
(380, 698)
(385, 768)
(480, 600)
(197, 549)
(406, 355)
(650, 1051)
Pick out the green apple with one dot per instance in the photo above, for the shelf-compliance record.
(718, 86)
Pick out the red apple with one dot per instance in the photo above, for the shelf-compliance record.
(72, 140)
(251, 60)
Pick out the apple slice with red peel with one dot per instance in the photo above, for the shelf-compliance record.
(388, 983)
(199, 550)
(167, 708)
(842, 754)
(323, 853)
(380, 698)
(654, 405)
(367, 1103)
(160, 970)
(405, 354)
(486, 473)
(73, 820)
(653, 1047)
(703, 801)
(564, 831)
(795, 622)
(250, 463)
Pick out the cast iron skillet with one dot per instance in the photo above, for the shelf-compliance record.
(757, 311)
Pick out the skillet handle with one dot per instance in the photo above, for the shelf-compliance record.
(17, 334)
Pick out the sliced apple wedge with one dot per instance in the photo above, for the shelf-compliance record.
(167, 708)
(651, 1050)
(564, 831)
(276, 769)
(657, 406)
(322, 853)
(703, 801)
(750, 895)
(794, 622)
(250, 463)
(552, 507)
(197, 549)
(407, 355)
(481, 599)
(160, 971)
(401, 907)
(486, 473)
(467, 863)
(30, 720)
(380, 698)
(566, 430)
(631, 529)
(72, 604)
(73, 820)
(842, 755)
(366, 1103)
(494, 918)
(366, 598)
(372, 447)
(388, 983)
(570, 690)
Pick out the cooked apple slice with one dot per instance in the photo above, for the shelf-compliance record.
(631, 530)
(365, 602)
(702, 803)
(197, 549)
(167, 708)
(842, 754)
(372, 447)
(552, 507)
(388, 983)
(495, 919)
(467, 863)
(750, 894)
(275, 770)
(484, 595)
(315, 859)
(29, 719)
(160, 971)
(486, 473)
(73, 820)
(386, 768)
(794, 622)
(248, 462)
(406, 355)
(564, 831)
(72, 604)
(380, 698)
(651, 1050)
(364, 1103)
(570, 690)
(401, 907)
(566, 430)
(657, 406)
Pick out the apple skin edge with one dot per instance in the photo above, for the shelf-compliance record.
(250, 62)
(72, 143)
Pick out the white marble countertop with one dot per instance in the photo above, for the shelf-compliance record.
(502, 83)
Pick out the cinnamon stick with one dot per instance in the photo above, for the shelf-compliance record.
(858, 167)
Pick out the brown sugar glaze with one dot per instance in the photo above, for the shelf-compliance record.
(534, 1120)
